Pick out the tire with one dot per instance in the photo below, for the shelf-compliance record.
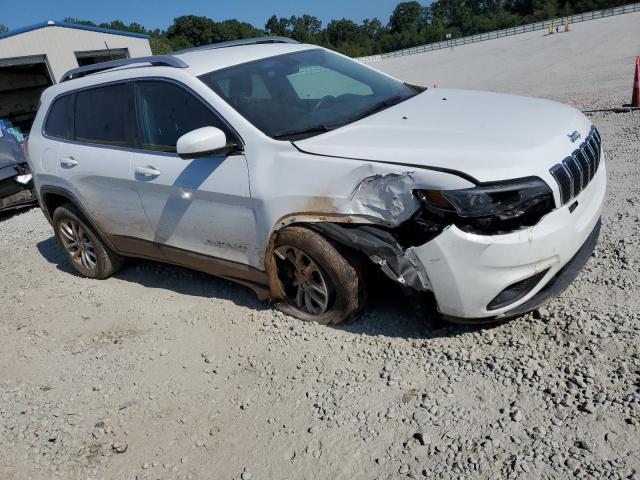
(324, 265)
(93, 258)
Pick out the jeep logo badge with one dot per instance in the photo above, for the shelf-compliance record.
(573, 136)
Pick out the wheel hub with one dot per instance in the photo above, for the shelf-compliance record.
(303, 280)
(78, 244)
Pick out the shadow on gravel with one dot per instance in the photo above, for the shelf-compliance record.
(52, 253)
(185, 281)
(12, 212)
(151, 274)
(392, 313)
(389, 312)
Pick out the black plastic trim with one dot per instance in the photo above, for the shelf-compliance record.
(154, 60)
(241, 273)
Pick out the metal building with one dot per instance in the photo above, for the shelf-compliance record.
(34, 57)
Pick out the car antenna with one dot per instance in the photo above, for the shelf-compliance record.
(108, 50)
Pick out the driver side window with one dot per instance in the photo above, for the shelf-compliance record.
(167, 111)
(313, 82)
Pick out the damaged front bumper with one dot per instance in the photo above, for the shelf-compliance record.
(469, 271)
(479, 277)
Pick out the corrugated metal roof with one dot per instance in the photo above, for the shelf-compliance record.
(51, 23)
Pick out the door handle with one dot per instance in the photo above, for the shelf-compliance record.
(147, 171)
(68, 162)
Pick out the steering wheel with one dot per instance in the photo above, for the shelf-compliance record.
(322, 102)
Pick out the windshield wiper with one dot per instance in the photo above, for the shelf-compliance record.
(303, 131)
(389, 102)
(376, 107)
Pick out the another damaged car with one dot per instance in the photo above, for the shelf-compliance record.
(16, 184)
(289, 168)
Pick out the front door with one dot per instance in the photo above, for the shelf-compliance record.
(201, 205)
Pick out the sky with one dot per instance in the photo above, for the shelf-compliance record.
(160, 13)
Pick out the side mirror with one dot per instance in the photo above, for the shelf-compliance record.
(202, 142)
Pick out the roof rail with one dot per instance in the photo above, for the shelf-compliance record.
(155, 60)
(235, 43)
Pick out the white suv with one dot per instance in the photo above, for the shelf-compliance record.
(289, 168)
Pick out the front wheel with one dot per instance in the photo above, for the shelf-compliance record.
(320, 283)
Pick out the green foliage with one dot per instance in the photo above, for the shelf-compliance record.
(191, 30)
(160, 45)
(306, 29)
(410, 24)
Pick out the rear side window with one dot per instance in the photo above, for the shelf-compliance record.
(167, 111)
(102, 114)
(60, 119)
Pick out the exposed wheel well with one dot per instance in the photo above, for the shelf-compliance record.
(51, 201)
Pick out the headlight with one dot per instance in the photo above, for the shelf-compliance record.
(492, 208)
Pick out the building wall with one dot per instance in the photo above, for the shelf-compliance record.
(59, 44)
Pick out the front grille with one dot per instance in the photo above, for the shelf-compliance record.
(576, 171)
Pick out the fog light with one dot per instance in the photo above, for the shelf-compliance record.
(516, 291)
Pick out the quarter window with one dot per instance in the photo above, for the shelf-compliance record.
(60, 119)
(102, 114)
(166, 112)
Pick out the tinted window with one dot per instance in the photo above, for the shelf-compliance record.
(166, 112)
(101, 115)
(60, 120)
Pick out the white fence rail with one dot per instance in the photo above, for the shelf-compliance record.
(480, 37)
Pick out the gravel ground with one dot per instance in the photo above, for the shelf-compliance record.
(165, 373)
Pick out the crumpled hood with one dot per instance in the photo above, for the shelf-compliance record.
(487, 136)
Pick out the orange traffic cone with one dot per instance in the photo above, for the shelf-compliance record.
(635, 98)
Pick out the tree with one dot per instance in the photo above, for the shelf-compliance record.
(191, 30)
(305, 29)
(409, 25)
(120, 25)
(407, 16)
(196, 30)
(160, 45)
(79, 22)
(277, 26)
(341, 31)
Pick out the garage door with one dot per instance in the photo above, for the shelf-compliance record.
(22, 81)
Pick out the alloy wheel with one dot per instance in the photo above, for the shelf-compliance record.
(303, 280)
(78, 244)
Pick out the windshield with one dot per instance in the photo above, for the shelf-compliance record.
(302, 94)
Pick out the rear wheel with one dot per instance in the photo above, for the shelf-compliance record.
(321, 284)
(86, 252)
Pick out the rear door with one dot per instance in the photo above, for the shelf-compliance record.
(96, 162)
(201, 205)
